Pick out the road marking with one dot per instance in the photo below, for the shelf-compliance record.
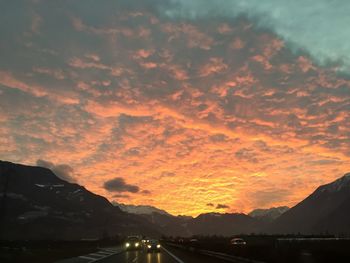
(88, 258)
(135, 259)
(171, 254)
(105, 253)
(111, 250)
(100, 255)
(97, 255)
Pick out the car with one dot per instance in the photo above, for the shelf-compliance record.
(153, 245)
(144, 241)
(238, 242)
(133, 243)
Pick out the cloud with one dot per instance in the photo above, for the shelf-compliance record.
(210, 204)
(265, 198)
(293, 21)
(167, 174)
(247, 154)
(63, 171)
(221, 206)
(121, 196)
(216, 107)
(119, 185)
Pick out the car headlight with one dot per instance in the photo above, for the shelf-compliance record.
(127, 245)
(137, 244)
(158, 246)
(149, 246)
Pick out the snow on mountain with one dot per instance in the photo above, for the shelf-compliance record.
(270, 213)
(337, 185)
(140, 209)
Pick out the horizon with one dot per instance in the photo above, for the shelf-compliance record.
(114, 203)
(187, 106)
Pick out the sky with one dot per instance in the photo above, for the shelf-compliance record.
(189, 106)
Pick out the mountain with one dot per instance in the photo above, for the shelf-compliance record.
(223, 224)
(170, 225)
(268, 215)
(326, 210)
(39, 205)
(205, 224)
(36, 204)
(140, 209)
(167, 224)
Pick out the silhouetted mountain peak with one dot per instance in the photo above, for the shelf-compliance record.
(324, 211)
(140, 209)
(337, 185)
(39, 205)
(269, 214)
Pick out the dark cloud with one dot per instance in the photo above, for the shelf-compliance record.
(324, 162)
(119, 185)
(247, 154)
(218, 138)
(121, 196)
(133, 151)
(146, 192)
(167, 174)
(221, 206)
(63, 171)
(210, 204)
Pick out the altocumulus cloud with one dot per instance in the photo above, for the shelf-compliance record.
(320, 27)
(118, 184)
(63, 171)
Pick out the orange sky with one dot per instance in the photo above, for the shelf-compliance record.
(187, 113)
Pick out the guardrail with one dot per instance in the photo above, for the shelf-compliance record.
(219, 255)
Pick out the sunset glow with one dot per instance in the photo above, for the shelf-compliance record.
(145, 105)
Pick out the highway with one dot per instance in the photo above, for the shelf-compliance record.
(167, 255)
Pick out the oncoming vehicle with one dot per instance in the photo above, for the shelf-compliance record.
(132, 242)
(153, 245)
(238, 242)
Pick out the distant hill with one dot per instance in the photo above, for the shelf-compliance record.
(140, 209)
(326, 210)
(270, 214)
(39, 205)
(223, 224)
(204, 224)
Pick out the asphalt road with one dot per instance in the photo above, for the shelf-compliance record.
(167, 255)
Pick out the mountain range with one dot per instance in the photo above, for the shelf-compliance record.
(36, 204)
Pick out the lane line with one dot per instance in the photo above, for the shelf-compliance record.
(103, 257)
(172, 255)
(98, 255)
(135, 259)
(88, 258)
(111, 250)
(105, 253)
